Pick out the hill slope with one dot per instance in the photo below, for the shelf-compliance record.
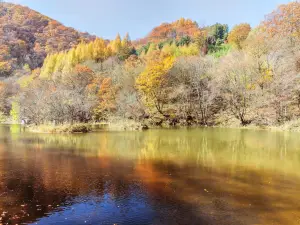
(26, 37)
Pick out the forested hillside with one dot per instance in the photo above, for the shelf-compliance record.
(166, 31)
(26, 37)
(184, 32)
(180, 74)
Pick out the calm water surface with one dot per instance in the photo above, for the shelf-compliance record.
(196, 176)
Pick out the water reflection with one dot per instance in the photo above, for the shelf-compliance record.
(197, 176)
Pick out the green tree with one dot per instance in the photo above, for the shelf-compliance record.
(186, 40)
(219, 32)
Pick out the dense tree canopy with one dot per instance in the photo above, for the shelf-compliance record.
(180, 28)
(179, 74)
(27, 37)
(284, 21)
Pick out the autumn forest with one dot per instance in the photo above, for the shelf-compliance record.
(180, 74)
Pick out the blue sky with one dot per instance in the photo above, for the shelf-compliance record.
(106, 18)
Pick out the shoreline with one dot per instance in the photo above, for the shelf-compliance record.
(137, 126)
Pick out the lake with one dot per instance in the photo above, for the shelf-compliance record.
(187, 176)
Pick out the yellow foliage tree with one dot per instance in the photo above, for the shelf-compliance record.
(126, 41)
(49, 66)
(116, 44)
(88, 51)
(81, 52)
(189, 50)
(170, 49)
(152, 81)
(152, 48)
(99, 50)
(60, 61)
(71, 61)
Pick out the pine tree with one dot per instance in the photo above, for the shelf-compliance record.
(126, 42)
(49, 66)
(60, 61)
(116, 44)
(152, 48)
(71, 61)
(99, 50)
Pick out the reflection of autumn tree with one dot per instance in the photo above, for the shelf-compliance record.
(171, 166)
(56, 181)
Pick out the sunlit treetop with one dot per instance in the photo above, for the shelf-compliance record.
(284, 21)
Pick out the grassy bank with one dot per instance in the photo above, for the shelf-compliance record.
(65, 128)
(131, 125)
(112, 125)
(293, 125)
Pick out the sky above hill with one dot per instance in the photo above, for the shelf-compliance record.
(106, 18)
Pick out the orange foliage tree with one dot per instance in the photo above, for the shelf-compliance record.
(284, 21)
(106, 98)
(180, 28)
(239, 34)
